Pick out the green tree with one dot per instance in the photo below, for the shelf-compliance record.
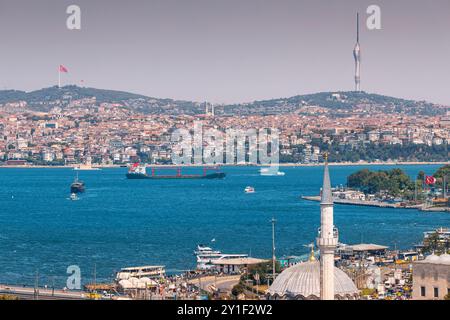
(421, 176)
(394, 182)
(443, 172)
(264, 270)
(433, 245)
(237, 289)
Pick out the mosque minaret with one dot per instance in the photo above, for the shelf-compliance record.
(312, 279)
(327, 239)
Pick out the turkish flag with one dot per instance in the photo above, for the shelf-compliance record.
(63, 69)
(430, 180)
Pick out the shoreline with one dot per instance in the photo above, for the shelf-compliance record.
(336, 164)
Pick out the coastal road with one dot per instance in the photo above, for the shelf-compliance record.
(25, 293)
(224, 283)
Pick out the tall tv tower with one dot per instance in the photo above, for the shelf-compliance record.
(357, 55)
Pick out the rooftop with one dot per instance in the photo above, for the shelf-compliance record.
(443, 259)
(143, 267)
(367, 247)
(238, 261)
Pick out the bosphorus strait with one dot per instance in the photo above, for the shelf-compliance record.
(118, 222)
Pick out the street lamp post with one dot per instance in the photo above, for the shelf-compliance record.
(273, 249)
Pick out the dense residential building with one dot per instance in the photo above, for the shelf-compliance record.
(68, 131)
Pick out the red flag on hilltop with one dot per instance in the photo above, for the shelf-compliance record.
(63, 69)
(430, 180)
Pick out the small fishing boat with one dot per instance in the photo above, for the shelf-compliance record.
(77, 186)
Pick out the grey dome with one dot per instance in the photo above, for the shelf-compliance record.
(442, 259)
(302, 281)
(432, 258)
(445, 258)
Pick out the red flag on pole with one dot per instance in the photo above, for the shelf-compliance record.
(430, 180)
(63, 69)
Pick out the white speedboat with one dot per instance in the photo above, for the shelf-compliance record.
(74, 197)
(271, 172)
(249, 190)
(202, 249)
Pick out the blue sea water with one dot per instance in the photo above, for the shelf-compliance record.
(119, 222)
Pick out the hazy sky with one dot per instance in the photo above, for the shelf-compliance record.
(228, 50)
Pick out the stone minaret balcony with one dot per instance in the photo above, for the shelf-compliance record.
(330, 240)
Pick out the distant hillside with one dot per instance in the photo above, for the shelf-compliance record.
(339, 102)
(55, 93)
(45, 99)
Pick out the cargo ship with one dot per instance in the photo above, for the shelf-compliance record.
(137, 171)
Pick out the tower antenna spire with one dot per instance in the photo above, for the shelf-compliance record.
(357, 56)
(357, 27)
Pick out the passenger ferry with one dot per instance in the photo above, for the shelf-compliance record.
(151, 272)
(205, 255)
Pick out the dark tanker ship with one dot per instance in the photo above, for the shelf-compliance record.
(138, 171)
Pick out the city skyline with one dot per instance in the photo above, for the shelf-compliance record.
(176, 151)
(211, 51)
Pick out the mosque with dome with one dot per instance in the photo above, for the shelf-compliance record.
(317, 280)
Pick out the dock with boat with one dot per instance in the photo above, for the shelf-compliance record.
(380, 204)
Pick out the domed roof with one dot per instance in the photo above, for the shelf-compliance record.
(432, 258)
(445, 258)
(302, 281)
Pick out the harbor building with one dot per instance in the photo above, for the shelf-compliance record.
(313, 280)
(363, 250)
(431, 278)
(235, 265)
